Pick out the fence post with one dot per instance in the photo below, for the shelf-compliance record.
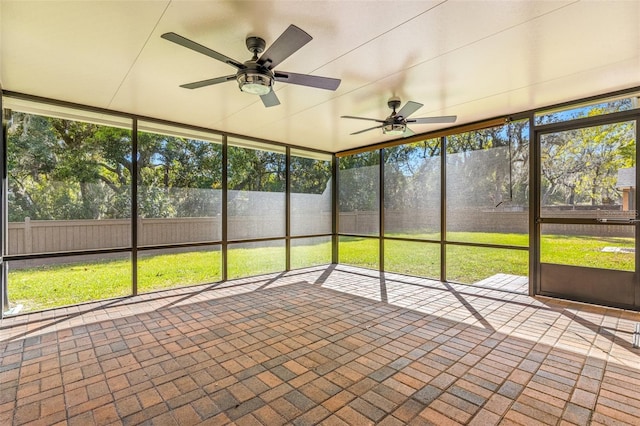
(141, 237)
(28, 236)
(355, 221)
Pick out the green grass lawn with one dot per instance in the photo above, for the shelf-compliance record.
(473, 237)
(588, 251)
(464, 264)
(162, 271)
(49, 286)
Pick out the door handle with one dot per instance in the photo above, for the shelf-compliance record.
(616, 220)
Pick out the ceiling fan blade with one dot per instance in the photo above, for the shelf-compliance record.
(366, 130)
(430, 120)
(408, 109)
(208, 82)
(307, 80)
(270, 99)
(185, 42)
(362, 118)
(292, 39)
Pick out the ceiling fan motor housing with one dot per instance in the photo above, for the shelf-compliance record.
(256, 45)
(394, 103)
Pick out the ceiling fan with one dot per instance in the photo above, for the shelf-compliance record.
(396, 123)
(257, 75)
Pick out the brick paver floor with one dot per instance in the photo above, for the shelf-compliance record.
(333, 345)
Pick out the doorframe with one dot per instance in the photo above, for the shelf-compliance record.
(535, 220)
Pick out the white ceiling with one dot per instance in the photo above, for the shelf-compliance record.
(474, 59)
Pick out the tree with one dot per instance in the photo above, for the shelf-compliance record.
(178, 177)
(489, 168)
(309, 176)
(29, 160)
(63, 169)
(412, 175)
(579, 167)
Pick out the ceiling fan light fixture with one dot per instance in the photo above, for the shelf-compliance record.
(257, 76)
(255, 83)
(394, 129)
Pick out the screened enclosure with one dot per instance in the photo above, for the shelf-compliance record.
(453, 208)
(102, 205)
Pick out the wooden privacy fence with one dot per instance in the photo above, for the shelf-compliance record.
(49, 236)
(476, 220)
(46, 236)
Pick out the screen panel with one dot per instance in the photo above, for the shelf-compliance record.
(69, 184)
(178, 267)
(359, 194)
(256, 258)
(311, 193)
(179, 187)
(487, 185)
(256, 198)
(412, 187)
(37, 284)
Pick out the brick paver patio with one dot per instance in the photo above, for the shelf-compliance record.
(333, 345)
